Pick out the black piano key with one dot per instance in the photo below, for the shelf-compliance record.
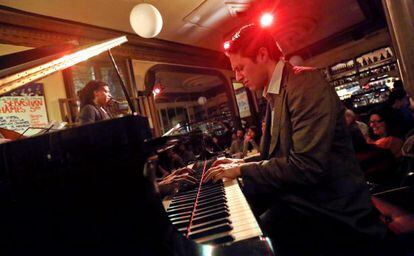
(210, 224)
(210, 231)
(210, 211)
(209, 217)
(179, 218)
(213, 201)
(180, 205)
(222, 205)
(220, 240)
(179, 210)
(181, 224)
(173, 215)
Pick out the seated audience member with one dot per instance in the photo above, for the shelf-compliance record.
(383, 136)
(351, 121)
(216, 145)
(379, 165)
(226, 138)
(236, 147)
(398, 100)
(186, 155)
(93, 98)
(175, 160)
(250, 141)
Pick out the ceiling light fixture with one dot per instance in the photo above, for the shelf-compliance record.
(266, 20)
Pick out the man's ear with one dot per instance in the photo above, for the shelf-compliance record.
(262, 55)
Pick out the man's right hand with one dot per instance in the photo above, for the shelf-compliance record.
(227, 161)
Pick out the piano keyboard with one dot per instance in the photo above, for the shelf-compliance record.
(213, 213)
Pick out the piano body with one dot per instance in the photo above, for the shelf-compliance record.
(83, 191)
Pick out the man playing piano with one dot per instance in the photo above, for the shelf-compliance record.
(317, 199)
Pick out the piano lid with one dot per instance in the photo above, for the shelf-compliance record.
(23, 67)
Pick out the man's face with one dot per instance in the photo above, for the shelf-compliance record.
(102, 95)
(240, 134)
(252, 74)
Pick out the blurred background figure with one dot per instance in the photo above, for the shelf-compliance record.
(251, 141)
(399, 102)
(236, 148)
(353, 123)
(185, 153)
(383, 131)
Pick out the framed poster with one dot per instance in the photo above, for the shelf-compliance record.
(24, 107)
(241, 99)
(243, 103)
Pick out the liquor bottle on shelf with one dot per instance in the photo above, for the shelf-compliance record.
(388, 53)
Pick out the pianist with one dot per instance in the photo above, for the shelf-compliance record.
(317, 199)
(94, 97)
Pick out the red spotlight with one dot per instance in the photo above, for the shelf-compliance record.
(266, 20)
(226, 45)
(157, 89)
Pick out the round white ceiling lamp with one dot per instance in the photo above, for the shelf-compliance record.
(202, 100)
(146, 20)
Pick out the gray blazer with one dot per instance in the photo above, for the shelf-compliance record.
(309, 161)
(91, 113)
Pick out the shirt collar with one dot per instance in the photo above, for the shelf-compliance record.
(274, 85)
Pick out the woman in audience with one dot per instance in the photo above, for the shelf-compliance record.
(383, 133)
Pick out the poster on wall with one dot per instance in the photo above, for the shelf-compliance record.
(243, 103)
(24, 107)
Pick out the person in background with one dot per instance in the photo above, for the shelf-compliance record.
(175, 160)
(93, 98)
(186, 155)
(226, 137)
(383, 133)
(399, 102)
(216, 145)
(351, 121)
(250, 141)
(236, 147)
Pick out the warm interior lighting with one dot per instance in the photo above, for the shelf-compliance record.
(14, 81)
(226, 45)
(157, 90)
(266, 20)
(146, 20)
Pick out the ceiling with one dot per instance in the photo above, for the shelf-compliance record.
(206, 23)
(307, 27)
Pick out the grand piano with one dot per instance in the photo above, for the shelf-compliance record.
(84, 190)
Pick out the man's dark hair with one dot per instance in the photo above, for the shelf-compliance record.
(249, 39)
(86, 95)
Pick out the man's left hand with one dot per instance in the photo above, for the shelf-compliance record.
(226, 171)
